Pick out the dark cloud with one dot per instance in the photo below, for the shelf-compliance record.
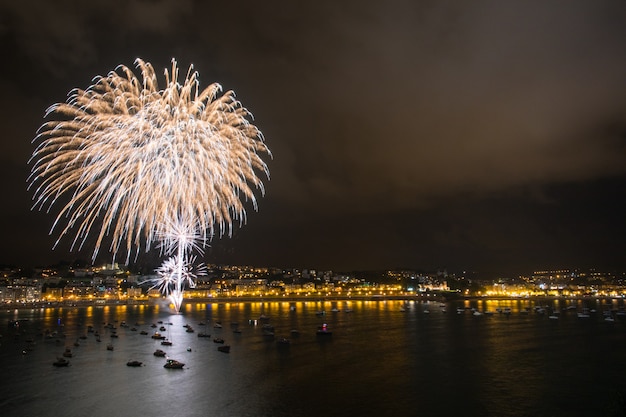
(383, 117)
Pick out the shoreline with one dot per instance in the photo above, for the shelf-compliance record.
(290, 299)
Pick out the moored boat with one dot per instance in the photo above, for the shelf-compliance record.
(133, 363)
(173, 364)
(224, 348)
(159, 353)
(61, 362)
(323, 330)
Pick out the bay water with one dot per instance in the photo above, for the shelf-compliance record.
(383, 358)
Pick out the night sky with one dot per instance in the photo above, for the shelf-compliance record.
(485, 136)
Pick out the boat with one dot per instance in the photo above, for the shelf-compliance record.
(204, 335)
(61, 362)
(283, 341)
(166, 343)
(159, 353)
(224, 348)
(158, 336)
(218, 340)
(143, 332)
(133, 363)
(110, 346)
(173, 364)
(323, 330)
(67, 353)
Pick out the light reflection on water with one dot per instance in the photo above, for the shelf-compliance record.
(383, 358)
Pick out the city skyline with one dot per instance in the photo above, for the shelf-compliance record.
(485, 138)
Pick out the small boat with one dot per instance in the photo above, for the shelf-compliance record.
(283, 341)
(224, 348)
(323, 330)
(158, 336)
(110, 346)
(218, 340)
(61, 362)
(204, 335)
(133, 363)
(173, 364)
(67, 353)
(159, 353)
(143, 332)
(166, 343)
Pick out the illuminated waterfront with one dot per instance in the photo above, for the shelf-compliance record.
(383, 358)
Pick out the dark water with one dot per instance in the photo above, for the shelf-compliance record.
(379, 361)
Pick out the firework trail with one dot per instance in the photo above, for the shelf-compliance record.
(126, 160)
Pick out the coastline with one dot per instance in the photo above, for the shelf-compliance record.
(434, 297)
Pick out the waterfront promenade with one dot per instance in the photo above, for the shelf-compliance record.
(421, 297)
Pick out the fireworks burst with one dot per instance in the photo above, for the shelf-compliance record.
(172, 276)
(129, 160)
